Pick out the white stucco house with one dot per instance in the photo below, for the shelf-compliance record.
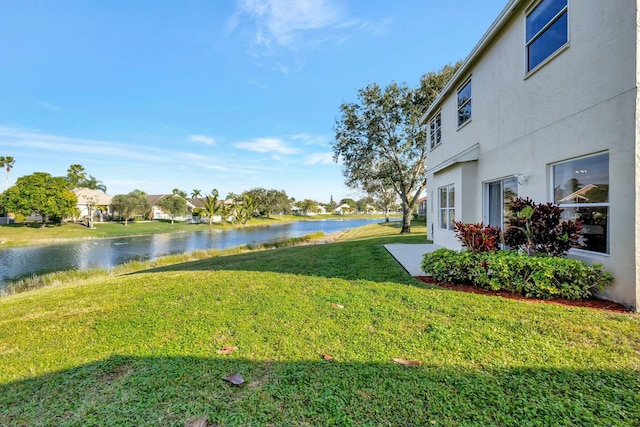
(546, 106)
(95, 201)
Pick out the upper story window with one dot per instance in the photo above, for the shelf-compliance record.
(464, 104)
(547, 31)
(435, 132)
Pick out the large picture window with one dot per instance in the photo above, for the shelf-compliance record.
(464, 104)
(547, 31)
(447, 207)
(435, 131)
(581, 188)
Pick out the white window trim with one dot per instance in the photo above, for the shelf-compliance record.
(527, 12)
(576, 251)
(448, 208)
(485, 196)
(432, 146)
(467, 81)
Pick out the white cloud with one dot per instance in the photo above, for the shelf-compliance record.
(206, 140)
(266, 145)
(280, 20)
(319, 159)
(309, 139)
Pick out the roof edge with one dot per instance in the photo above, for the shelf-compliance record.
(479, 48)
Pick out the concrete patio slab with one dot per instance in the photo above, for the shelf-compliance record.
(409, 256)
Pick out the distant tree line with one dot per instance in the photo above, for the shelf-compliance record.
(52, 200)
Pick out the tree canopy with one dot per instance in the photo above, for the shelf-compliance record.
(269, 202)
(175, 204)
(308, 205)
(130, 205)
(41, 194)
(77, 177)
(380, 138)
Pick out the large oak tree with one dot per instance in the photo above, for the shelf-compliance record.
(41, 194)
(130, 205)
(380, 139)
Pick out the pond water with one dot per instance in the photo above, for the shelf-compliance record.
(107, 253)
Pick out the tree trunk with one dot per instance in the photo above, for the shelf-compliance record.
(386, 214)
(407, 213)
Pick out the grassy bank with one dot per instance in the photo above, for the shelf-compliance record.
(142, 348)
(33, 234)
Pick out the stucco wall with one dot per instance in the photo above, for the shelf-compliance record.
(581, 102)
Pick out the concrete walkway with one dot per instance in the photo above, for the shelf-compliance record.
(410, 256)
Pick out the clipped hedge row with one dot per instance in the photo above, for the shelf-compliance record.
(532, 276)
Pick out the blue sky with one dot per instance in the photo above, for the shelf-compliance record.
(203, 94)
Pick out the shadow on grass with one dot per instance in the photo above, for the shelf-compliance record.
(127, 390)
(363, 259)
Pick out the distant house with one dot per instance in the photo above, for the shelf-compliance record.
(343, 209)
(319, 210)
(95, 201)
(158, 213)
(546, 107)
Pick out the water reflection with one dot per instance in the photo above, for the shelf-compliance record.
(107, 253)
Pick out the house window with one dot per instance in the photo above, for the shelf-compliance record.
(464, 104)
(500, 195)
(581, 188)
(547, 31)
(435, 133)
(447, 207)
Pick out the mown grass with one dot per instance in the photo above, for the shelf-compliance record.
(141, 349)
(23, 234)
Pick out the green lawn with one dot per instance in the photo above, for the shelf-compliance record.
(141, 349)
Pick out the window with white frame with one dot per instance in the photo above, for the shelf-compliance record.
(447, 207)
(435, 131)
(464, 103)
(581, 188)
(547, 31)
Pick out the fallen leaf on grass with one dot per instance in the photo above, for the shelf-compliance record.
(337, 305)
(198, 422)
(235, 379)
(227, 350)
(327, 357)
(407, 362)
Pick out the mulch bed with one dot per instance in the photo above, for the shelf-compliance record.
(598, 304)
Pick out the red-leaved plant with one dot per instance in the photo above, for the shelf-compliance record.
(478, 237)
(539, 228)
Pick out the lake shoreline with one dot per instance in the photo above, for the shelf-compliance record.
(18, 239)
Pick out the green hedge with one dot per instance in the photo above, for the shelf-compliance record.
(532, 276)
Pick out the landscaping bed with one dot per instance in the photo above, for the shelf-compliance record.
(595, 303)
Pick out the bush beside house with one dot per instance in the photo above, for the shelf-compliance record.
(535, 268)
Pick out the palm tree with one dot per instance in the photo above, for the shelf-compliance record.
(7, 162)
(212, 206)
(75, 176)
(196, 194)
(94, 184)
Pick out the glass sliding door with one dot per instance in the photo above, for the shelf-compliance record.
(499, 197)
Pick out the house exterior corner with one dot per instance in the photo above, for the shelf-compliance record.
(546, 107)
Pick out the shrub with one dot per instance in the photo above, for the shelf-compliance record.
(446, 265)
(477, 237)
(539, 229)
(531, 276)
